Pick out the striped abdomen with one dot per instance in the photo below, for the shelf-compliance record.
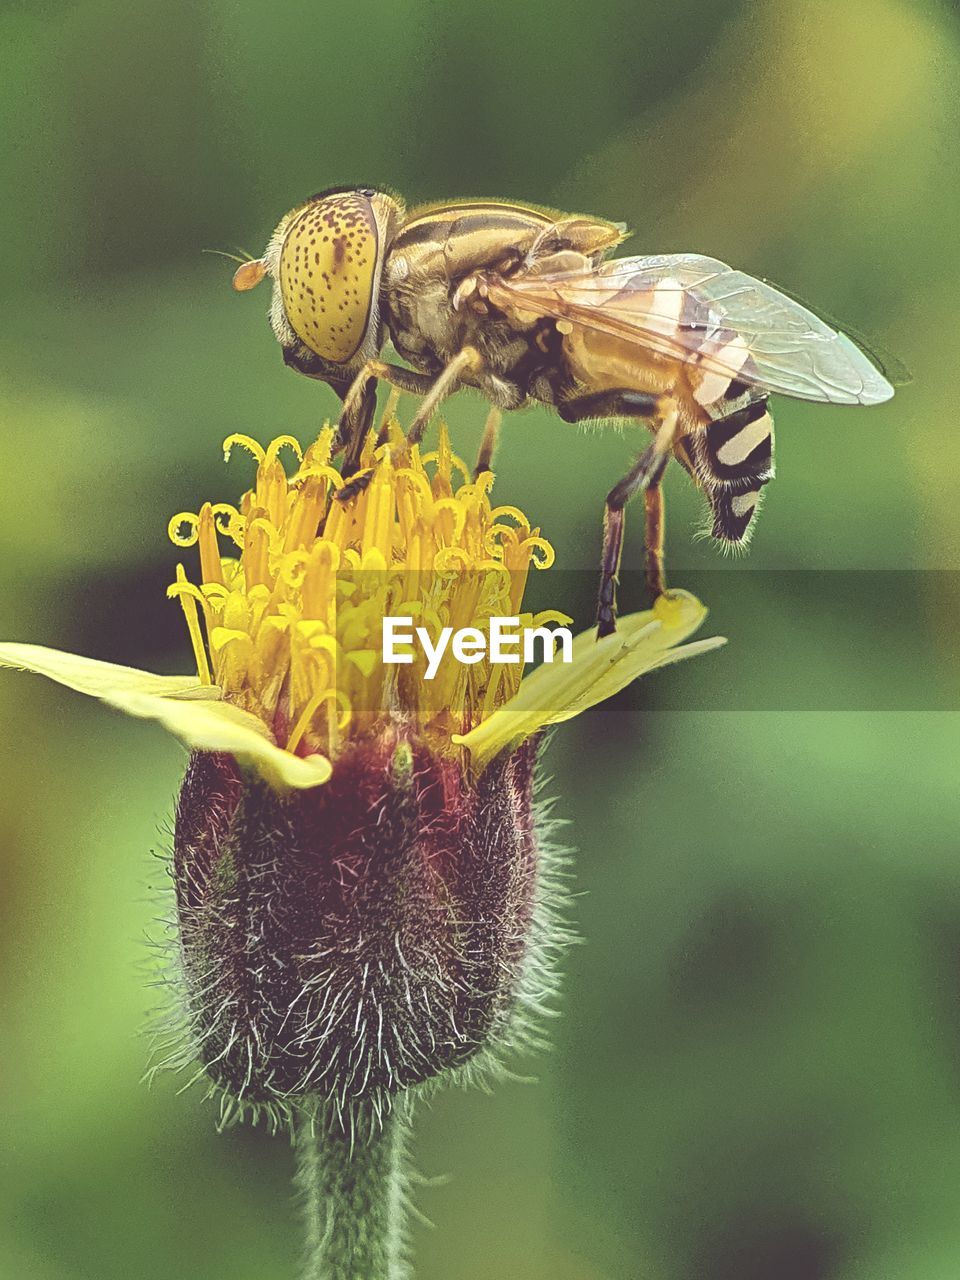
(732, 458)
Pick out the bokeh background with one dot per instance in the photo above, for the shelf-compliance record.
(757, 1070)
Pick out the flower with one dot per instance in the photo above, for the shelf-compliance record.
(289, 670)
(364, 900)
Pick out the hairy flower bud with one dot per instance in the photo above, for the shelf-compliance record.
(352, 940)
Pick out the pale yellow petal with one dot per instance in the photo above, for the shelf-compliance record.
(99, 679)
(190, 711)
(600, 668)
(218, 726)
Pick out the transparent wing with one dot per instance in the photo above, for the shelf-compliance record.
(699, 310)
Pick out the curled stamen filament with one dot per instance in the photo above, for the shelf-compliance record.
(238, 439)
(187, 592)
(335, 696)
(192, 522)
(547, 556)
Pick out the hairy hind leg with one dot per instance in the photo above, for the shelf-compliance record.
(653, 539)
(645, 475)
(488, 444)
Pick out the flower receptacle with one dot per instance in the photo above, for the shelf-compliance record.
(352, 940)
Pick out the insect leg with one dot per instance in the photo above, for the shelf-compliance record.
(645, 475)
(610, 404)
(388, 415)
(354, 425)
(653, 539)
(488, 444)
(446, 384)
(360, 405)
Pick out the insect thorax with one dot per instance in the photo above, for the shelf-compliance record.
(440, 250)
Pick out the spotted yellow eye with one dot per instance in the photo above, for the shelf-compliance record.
(328, 273)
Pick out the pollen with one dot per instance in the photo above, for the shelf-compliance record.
(292, 587)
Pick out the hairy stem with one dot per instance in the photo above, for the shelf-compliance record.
(353, 1189)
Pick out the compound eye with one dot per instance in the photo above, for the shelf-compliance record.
(328, 273)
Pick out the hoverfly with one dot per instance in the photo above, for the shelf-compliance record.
(524, 304)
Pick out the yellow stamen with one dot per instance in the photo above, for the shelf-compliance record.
(294, 621)
(283, 442)
(210, 564)
(548, 555)
(189, 606)
(188, 539)
(245, 442)
(332, 696)
(513, 512)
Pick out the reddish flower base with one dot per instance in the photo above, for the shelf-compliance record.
(357, 938)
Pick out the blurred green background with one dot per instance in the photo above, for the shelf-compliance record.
(757, 1071)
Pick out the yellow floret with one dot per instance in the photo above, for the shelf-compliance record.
(293, 615)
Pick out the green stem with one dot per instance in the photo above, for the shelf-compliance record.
(354, 1195)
